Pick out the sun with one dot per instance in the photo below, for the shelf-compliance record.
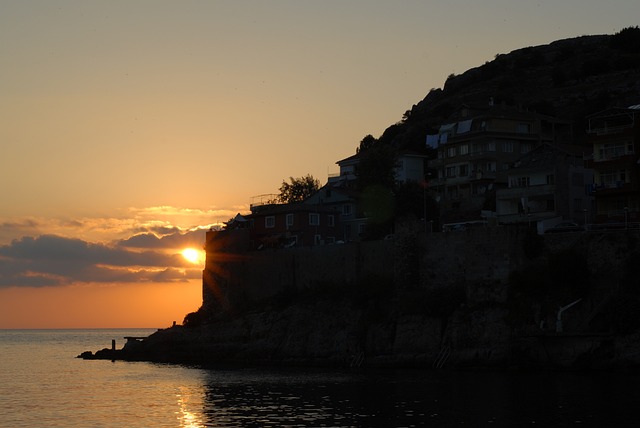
(191, 255)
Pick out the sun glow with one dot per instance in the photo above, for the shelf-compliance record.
(192, 255)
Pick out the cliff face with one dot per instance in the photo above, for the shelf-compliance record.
(490, 302)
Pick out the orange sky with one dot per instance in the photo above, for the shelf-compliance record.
(99, 306)
(130, 127)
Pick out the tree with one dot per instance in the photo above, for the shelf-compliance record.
(377, 167)
(366, 143)
(298, 189)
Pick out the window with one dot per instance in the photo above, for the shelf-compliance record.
(520, 182)
(451, 152)
(317, 240)
(615, 150)
(464, 170)
(491, 147)
(464, 149)
(451, 171)
(551, 179)
(525, 147)
(314, 219)
(269, 222)
(523, 128)
(346, 209)
(507, 147)
(577, 204)
(607, 177)
(331, 221)
(289, 220)
(613, 178)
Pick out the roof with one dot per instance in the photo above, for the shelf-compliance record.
(292, 208)
(547, 155)
(350, 159)
(614, 111)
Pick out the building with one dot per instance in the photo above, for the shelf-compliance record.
(476, 148)
(289, 225)
(410, 166)
(545, 186)
(343, 202)
(614, 135)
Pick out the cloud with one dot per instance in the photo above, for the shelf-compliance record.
(134, 245)
(125, 223)
(176, 239)
(50, 260)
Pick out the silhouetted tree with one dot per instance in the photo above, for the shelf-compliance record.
(377, 167)
(298, 189)
(627, 39)
(366, 143)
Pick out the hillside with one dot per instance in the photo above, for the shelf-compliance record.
(569, 79)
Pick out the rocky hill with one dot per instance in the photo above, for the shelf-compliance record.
(483, 306)
(569, 79)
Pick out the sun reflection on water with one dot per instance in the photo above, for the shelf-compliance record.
(186, 414)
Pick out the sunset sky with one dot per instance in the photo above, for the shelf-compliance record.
(127, 128)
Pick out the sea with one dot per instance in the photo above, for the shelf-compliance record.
(43, 384)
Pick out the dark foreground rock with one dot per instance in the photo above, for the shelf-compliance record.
(333, 334)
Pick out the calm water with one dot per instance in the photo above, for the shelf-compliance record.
(43, 384)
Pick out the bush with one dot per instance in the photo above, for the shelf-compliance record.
(194, 319)
(569, 271)
(623, 313)
(627, 39)
(443, 301)
(533, 244)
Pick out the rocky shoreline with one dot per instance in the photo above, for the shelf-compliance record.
(336, 335)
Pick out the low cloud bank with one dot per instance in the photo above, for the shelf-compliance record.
(50, 260)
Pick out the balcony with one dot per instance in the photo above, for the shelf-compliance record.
(612, 188)
(529, 191)
(265, 199)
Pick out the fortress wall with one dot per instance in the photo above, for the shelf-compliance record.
(438, 259)
(481, 257)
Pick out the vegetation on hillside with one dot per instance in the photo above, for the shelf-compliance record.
(569, 79)
(298, 189)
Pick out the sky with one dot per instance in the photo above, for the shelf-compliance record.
(129, 127)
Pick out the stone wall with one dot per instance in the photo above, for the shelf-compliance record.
(480, 260)
(411, 259)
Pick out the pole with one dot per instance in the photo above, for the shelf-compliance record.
(559, 317)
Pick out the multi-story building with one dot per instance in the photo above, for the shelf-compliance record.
(409, 167)
(547, 184)
(615, 136)
(477, 147)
